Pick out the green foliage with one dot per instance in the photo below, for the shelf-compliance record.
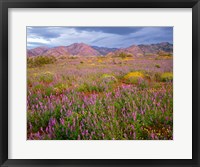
(83, 88)
(167, 77)
(57, 113)
(38, 120)
(157, 85)
(46, 77)
(125, 55)
(99, 102)
(157, 76)
(109, 79)
(73, 57)
(48, 91)
(86, 87)
(38, 87)
(40, 61)
(60, 132)
(157, 66)
(60, 87)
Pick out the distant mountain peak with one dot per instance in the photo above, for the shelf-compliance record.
(82, 49)
(104, 50)
(78, 44)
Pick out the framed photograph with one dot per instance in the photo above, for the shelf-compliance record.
(99, 83)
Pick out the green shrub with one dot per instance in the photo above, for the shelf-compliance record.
(124, 55)
(40, 61)
(60, 87)
(158, 58)
(73, 57)
(38, 87)
(157, 66)
(157, 85)
(167, 77)
(46, 77)
(157, 76)
(90, 88)
(83, 88)
(49, 91)
(107, 78)
(148, 75)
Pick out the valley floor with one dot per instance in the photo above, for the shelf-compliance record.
(101, 98)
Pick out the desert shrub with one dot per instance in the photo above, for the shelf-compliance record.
(60, 87)
(107, 78)
(49, 91)
(157, 76)
(96, 88)
(46, 77)
(162, 57)
(38, 87)
(157, 66)
(86, 87)
(83, 88)
(157, 85)
(133, 77)
(167, 76)
(40, 61)
(30, 62)
(73, 57)
(124, 55)
(148, 76)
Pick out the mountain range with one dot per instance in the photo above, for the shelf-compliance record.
(82, 49)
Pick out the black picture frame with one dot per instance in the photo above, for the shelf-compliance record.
(4, 97)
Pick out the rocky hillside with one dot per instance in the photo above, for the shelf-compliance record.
(81, 49)
(164, 48)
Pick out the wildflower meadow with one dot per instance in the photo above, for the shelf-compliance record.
(100, 98)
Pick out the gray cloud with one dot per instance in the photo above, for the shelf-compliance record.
(99, 36)
(111, 30)
(43, 32)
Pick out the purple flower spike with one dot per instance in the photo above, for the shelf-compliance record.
(62, 121)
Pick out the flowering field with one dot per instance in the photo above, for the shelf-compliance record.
(100, 98)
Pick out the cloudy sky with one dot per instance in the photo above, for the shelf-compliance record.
(117, 37)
